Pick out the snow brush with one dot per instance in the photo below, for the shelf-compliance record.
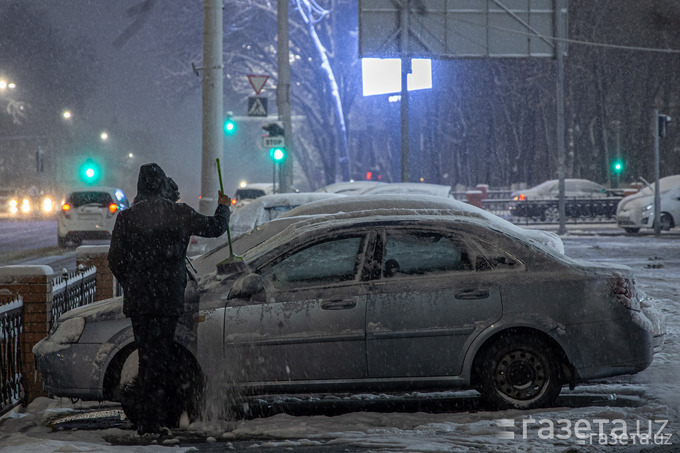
(233, 263)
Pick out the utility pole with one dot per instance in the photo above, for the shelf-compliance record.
(212, 97)
(404, 103)
(283, 95)
(561, 26)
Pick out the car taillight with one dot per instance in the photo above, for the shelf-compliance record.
(65, 208)
(113, 207)
(520, 197)
(233, 201)
(624, 290)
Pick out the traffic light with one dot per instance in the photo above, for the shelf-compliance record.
(663, 121)
(229, 126)
(277, 154)
(90, 173)
(617, 167)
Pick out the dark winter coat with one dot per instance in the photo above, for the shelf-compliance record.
(148, 247)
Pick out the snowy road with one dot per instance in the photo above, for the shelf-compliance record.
(624, 414)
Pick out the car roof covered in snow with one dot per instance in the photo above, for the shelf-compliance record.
(351, 187)
(394, 204)
(416, 188)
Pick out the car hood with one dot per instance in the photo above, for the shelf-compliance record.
(636, 201)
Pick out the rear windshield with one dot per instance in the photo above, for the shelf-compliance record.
(82, 198)
(244, 194)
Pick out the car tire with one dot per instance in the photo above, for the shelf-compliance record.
(666, 221)
(551, 214)
(632, 230)
(519, 371)
(190, 400)
(62, 242)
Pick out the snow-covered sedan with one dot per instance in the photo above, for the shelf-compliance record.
(365, 302)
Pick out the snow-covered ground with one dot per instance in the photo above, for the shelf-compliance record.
(639, 405)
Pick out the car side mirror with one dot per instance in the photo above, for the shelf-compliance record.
(246, 287)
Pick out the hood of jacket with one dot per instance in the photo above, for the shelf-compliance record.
(151, 183)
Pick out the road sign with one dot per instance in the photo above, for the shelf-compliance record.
(257, 106)
(273, 142)
(257, 82)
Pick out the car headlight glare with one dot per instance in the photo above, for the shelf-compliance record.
(69, 331)
(647, 208)
(47, 205)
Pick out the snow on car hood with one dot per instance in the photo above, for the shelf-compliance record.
(102, 310)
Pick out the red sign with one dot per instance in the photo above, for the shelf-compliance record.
(257, 82)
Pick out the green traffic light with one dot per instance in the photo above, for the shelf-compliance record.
(617, 167)
(90, 172)
(277, 154)
(229, 126)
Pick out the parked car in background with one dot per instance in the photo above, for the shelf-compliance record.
(583, 198)
(413, 188)
(637, 211)
(250, 192)
(90, 213)
(268, 207)
(366, 302)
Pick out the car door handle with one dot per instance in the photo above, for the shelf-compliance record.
(338, 304)
(472, 294)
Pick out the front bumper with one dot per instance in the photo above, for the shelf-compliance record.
(70, 370)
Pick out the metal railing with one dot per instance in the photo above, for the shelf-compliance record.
(73, 289)
(11, 390)
(577, 210)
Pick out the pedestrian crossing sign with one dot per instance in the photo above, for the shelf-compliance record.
(257, 106)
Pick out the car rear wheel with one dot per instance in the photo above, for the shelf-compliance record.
(520, 371)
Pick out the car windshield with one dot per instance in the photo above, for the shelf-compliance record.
(83, 198)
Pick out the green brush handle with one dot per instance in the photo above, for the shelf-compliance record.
(219, 173)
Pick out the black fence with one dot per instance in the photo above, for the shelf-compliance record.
(577, 210)
(11, 390)
(73, 289)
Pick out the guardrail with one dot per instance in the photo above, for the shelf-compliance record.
(73, 289)
(577, 210)
(11, 388)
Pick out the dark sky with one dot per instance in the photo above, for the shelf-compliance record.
(129, 94)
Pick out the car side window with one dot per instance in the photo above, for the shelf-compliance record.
(330, 261)
(422, 253)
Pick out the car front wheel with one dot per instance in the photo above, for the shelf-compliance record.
(520, 372)
(189, 400)
(632, 230)
(551, 214)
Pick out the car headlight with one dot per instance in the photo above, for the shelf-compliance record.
(47, 205)
(69, 331)
(647, 208)
(25, 205)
